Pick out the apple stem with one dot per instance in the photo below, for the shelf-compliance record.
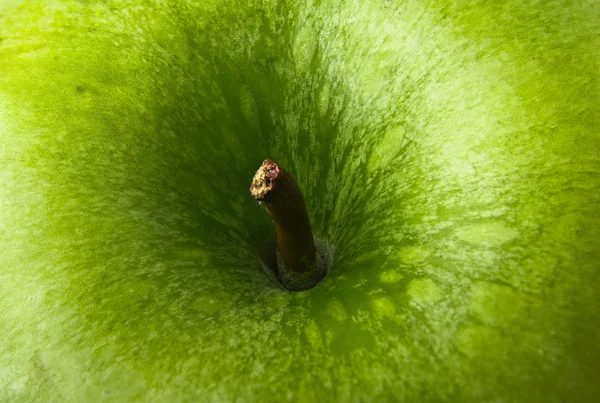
(297, 267)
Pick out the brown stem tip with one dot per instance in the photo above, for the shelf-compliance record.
(297, 267)
(264, 179)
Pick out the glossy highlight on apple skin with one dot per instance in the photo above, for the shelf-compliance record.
(446, 151)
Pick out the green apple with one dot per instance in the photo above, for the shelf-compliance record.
(449, 154)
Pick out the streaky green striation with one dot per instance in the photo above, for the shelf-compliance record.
(448, 151)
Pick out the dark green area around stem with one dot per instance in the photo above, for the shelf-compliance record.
(450, 154)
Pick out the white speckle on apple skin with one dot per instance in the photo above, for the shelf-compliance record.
(494, 233)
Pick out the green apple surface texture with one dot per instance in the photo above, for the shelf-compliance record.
(448, 152)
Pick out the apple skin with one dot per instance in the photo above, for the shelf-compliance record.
(449, 153)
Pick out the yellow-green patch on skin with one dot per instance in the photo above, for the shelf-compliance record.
(493, 233)
(383, 306)
(279, 300)
(313, 335)
(414, 254)
(391, 276)
(304, 49)
(495, 304)
(336, 310)
(424, 291)
(480, 342)
(387, 148)
(323, 99)
(248, 106)
(210, 304)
